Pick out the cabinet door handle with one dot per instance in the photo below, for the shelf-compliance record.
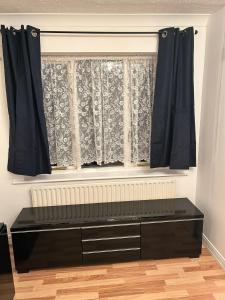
(171, 221)
(43, 230)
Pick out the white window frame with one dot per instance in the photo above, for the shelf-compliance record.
(93, 175)
(127, 116)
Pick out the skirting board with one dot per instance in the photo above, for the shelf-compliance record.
(218, 256)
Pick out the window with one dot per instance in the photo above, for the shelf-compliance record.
(98, 109)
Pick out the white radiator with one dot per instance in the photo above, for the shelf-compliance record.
(102, 192)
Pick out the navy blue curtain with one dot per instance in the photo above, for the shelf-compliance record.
(173, 142)
(28, 144)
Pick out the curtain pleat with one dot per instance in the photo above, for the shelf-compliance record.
(173, 122)
(28, 144)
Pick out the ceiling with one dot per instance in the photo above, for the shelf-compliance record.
(111, 6)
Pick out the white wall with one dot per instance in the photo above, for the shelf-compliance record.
(211, 171)
(14, 197)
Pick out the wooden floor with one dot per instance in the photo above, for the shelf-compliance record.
(186, 279)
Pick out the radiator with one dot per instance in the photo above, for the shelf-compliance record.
(102, 192)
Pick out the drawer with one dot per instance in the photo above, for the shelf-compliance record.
(107, 231)
(111, 243)
(111, 256)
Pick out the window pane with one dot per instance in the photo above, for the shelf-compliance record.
(113, 98)
(85, 111)
(142, 81)
(56, 97)
(100, 105)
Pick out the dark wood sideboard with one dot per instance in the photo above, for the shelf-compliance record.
(71, 235)
(7, 290)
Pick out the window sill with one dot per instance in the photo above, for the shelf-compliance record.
(102, 174)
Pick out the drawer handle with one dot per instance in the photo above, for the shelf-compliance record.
(112, 225)
(108, 251)
(113, 238)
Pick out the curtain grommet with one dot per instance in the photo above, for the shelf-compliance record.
(33, 33)
(164, 34)
(14, 32)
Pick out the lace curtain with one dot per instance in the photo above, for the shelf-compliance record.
(100, 105)
(57, 97)
(142, 82)
(96, 89)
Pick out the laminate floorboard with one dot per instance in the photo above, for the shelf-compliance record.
(184, 279)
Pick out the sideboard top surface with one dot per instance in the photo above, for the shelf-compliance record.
(38, 218)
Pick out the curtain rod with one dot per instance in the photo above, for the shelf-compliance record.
(102, 32)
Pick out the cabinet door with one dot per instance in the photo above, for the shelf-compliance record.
(171, 239)
(45, 249)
